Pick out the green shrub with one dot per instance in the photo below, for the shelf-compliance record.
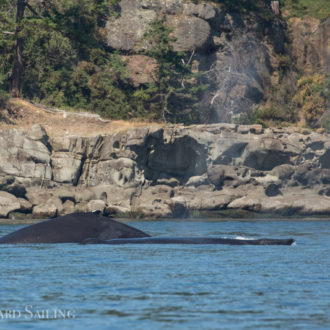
(311, 97)
(300, 8)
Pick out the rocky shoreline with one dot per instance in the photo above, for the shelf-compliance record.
(172, 171)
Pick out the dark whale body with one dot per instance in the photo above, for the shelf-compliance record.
(72, 228)
(192, 240)
(91, 228)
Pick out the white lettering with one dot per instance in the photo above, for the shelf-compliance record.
(28, 310)
(16, 314)
(71, 314)
(61, 314)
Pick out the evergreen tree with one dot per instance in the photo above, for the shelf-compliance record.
(7, 37)
(53, 52)
(175, 93)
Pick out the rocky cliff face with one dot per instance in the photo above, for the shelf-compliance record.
(310, 44)
(310, 50)
(236, 51)
(241, 54)
(165, 172)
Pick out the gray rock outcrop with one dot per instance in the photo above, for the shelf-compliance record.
(8, 203)
(167, 172)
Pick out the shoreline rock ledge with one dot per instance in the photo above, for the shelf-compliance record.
(172, 171)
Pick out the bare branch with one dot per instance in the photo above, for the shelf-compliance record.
(214, 97)
(31, 9)
(188, 63)
(191, 56)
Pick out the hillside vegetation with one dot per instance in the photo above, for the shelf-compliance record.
(319, 9)
(55, 54)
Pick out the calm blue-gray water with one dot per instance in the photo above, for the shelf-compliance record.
(70, 286)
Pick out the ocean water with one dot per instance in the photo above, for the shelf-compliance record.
(70, 286)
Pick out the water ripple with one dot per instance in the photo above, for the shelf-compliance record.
(177, 287)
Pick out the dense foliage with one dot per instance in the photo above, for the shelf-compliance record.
(67, 64)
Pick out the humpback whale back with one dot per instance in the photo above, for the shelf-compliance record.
(72, 228)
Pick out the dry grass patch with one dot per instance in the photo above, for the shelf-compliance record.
(59, 122)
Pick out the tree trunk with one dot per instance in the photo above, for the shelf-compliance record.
(18, 58)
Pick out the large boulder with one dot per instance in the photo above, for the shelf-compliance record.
(197, 180)
(121, 35)
(38, 133)
(37, 195)
(169, 7)
(191, 33)
(66, 167)
(122, 172)
(118, 199)
(202, 10)
(44, 211)
(219, 174)
(84, 194)
(8, 203)
(283, 172)
(26, 206)
(154, 202)
(252, 201)
(23, 157)
(46, 205)
(96, 205)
